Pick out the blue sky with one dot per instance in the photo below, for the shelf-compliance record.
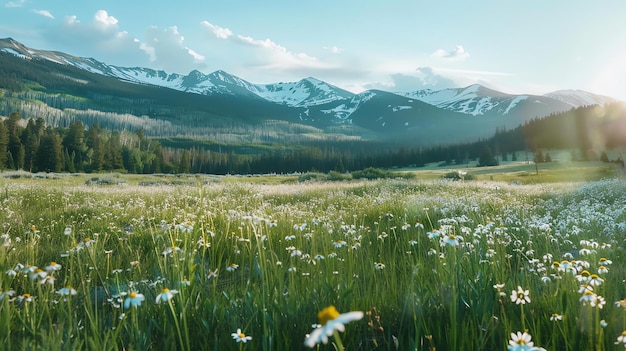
(529, 47)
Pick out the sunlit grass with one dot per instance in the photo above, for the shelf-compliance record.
(432, 264)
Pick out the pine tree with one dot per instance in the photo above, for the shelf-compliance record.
(15, 142)
(113, 152)
(486, 157)
(4, 142)
(74, 143)
(184, 164)
(50, 153)
(96, 148)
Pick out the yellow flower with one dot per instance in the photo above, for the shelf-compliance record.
(330, 320)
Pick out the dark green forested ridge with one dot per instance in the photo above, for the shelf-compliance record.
(31, 145)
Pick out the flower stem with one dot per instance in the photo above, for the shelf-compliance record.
(338, 341)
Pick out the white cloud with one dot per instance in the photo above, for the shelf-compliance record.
(457, 54)
(100, 38)
(195, 55)
(275, 56)
(333, 49)
(71, 20)
(44, 13)
(222, 33)
(12, 4)
(103, 22)
(422, 78)
(168, 52)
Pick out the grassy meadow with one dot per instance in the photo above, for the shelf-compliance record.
(121, 262)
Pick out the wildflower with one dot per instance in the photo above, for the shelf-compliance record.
(556, 317)
(595, 280)
(434, 234)
(171, 250)
(521, 342)
(621, 339)
(599, 302)
(67, 291)
(53, 266)
(585, 287)
(603, 323)
(339, 243)
(185, 282)
(330, 320)
(588, 298)
(38, 273)
(87, 242)
(406, 226)
(273, 223)
(431, 251)
(233, 267)
(212, 274)
(604, 262)
(299, 226)
(621, 303)
(520, 296)
(290, 237)
(25, 297)
(240, 337)
(603, 270)
(9, 293)
(165, 295)
(451, 240)
(134, 299)
(379, 266)
(67, 231)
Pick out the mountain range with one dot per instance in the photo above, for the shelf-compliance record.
(422, 116)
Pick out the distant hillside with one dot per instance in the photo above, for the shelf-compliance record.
(61, 88)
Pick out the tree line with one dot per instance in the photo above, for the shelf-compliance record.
(36, 147)
(31, 145)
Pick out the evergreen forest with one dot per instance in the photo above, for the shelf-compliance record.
(32, 145)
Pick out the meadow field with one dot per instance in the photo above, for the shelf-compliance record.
(121, 262)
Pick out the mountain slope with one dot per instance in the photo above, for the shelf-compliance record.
(200, 104)
(580, 98)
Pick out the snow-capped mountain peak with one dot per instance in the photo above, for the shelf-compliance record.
(578, 98)
(473, 100)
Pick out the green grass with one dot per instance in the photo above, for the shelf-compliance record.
(287, 239)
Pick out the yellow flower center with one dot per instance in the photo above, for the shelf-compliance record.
(53, 263)
(327, 314)
(166, 290)
(132, 295)
(39, 270)
(594, 276)
(452, 237)
(584, 273)
(624, 333)
(87, 240)
(27, 295)
(242, 336)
